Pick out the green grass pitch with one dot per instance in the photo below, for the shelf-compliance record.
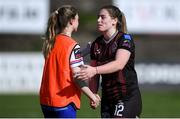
(157, 104)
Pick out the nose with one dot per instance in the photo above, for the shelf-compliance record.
(99, 18)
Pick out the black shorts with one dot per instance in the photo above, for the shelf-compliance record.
(128, 108)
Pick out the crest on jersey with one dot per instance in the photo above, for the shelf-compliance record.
(77, 53)
(127, 41)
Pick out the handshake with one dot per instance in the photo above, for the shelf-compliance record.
(95, 101)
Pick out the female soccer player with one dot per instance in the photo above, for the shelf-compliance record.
(112, 57)
(59, 94)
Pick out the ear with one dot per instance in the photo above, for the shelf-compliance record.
(71, 21)
(115, 21)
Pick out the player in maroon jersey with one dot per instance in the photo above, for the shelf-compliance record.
(112, 57)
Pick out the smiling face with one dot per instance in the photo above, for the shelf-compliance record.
(105, 22)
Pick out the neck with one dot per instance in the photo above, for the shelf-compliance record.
(67, 32)
(108, 34)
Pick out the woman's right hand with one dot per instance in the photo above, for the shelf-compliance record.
(87, 72)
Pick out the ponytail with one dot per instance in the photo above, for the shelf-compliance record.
(123, 24)
(50, 35)
(56, 24)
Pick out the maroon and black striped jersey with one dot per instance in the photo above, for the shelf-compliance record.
(118, 85)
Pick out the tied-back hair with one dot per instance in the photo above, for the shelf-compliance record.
(57, 22)
(115, 12)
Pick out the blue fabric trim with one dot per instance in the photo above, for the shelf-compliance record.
(127, 36)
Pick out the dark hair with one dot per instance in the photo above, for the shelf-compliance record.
(57, 22)
(115, 12)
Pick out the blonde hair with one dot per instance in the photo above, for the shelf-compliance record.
(57, 22)
(124, 25)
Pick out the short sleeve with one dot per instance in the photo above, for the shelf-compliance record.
(92, 54)
(76, 59)
(126, 42)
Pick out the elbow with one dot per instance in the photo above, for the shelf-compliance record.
(121, 66)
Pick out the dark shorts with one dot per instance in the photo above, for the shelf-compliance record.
(128, 108)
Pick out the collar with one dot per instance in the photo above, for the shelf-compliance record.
(112, 37)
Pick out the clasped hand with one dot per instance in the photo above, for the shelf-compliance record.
(86, 72)
(95, 102)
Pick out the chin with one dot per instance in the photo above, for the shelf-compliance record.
(100, 30)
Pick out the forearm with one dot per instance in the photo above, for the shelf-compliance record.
(110, 67)
(88, 93)
(80, 83)
(83, 85)
(122, 57)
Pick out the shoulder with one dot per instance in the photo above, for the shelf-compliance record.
(99, 38)
(77, 46)
(126, 42)
(125, 36)
(65, 39)
(97, 41)
(76, 50)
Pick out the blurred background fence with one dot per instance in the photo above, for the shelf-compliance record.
(154, 25)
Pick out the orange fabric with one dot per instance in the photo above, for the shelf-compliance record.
(57, 86)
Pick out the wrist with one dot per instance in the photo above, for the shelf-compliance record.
(93, 98)
(97, 72)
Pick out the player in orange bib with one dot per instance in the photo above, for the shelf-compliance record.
(60, 91)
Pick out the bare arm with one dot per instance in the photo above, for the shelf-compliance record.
(121, 59)
(84, 87)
